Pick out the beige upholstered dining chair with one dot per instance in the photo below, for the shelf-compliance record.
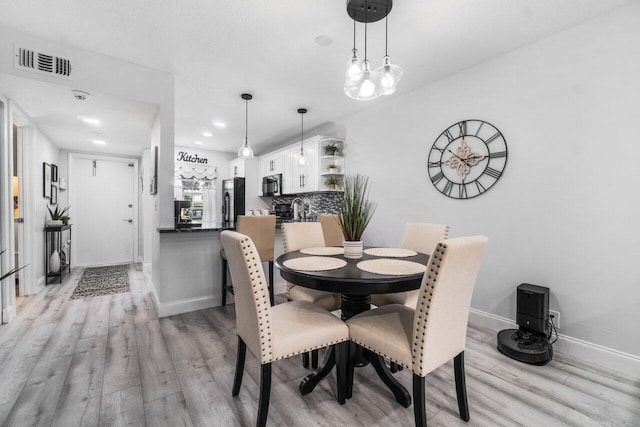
(296, 236)
(262, 230)
(300, 235)
(278, 332)
(421, 237)
(435, 332)
(331, 229)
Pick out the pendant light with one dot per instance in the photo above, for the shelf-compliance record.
(387, 75)
(363, 88)
(367, 84)
(301, 160)
(245, 152)
(354, 67)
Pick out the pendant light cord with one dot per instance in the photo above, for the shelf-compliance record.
(366, 10)
(354, 34)
(302, 133)
(386, 34)
(246, 122)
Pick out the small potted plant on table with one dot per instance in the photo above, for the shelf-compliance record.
(58, 216)
(356, 211)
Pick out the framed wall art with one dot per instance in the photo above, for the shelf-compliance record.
(54, 173)
(54, 195)
(46, 180)
(153, 188)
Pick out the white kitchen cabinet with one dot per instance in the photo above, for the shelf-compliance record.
(302, 178)
(237, 168)
(272, 164)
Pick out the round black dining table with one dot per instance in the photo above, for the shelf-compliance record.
(355, 287)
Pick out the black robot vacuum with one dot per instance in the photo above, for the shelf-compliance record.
(530, 342)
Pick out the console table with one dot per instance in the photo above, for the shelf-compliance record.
(53, 241)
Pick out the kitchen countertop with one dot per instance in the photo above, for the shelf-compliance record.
(213, 227)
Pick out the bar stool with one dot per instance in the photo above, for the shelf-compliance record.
(262, 230)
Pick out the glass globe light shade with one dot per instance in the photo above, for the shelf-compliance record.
(354, 68)
(366, 88)
(301, 160)
(387, 76)
(245, 152)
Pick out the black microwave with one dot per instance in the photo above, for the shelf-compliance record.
(272, 185)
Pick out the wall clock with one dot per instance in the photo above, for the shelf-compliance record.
(467, 159)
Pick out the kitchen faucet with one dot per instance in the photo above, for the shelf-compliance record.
(295, 204)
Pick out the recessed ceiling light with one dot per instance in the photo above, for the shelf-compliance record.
(207, 133)
(220, 124)
(197, 142)
(98, 141)
(89, 120)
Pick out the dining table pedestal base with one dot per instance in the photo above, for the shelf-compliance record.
(352, 305)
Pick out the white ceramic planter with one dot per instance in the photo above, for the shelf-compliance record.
(54, 262)
(353, 250)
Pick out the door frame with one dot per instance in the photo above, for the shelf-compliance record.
(72, 156)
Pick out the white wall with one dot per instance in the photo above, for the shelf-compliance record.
(565, 213)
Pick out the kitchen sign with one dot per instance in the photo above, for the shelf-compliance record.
(185, 156)
(195, 164)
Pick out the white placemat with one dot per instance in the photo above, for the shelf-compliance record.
(390, 252)
(393, 267)
(315, 263)
(323, 250)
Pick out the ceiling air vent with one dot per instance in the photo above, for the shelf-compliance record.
(43, 63)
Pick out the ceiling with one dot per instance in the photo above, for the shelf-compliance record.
(220, 49)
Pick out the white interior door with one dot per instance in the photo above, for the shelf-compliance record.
(103, 210)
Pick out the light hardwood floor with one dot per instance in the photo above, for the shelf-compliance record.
(109, 361)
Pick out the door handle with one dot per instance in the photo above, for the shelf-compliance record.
(19, 220)
(128, 220)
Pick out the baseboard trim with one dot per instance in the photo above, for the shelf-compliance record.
(8, 314)
(146, 267)
(618, 362)
(185, 306)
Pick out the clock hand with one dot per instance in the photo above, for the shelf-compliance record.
(456, 155)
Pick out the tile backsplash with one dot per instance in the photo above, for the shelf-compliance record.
(316, 203)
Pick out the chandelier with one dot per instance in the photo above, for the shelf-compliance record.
(360, 82)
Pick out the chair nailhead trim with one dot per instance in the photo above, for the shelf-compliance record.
(382, 354)
(263, 304)
(422, 313)
(310, 349)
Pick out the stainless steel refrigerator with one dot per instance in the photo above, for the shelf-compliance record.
(232, 199)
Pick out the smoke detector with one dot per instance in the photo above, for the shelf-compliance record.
(80, 95)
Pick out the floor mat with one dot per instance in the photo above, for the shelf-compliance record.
(99, 281)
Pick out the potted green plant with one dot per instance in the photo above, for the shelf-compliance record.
(331, 149)
(356, 211)
(57, 216)
(332, 182)
(332, 168)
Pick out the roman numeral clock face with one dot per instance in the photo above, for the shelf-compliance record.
(467, 159)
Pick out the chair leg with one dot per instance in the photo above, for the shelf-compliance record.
(265, 392)
(314, 359)
(419, 401)
(237, 380)
(350, 369)
(305, 360)
(461, 386)
(271, 284)
(224, 282)
(342, 362)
